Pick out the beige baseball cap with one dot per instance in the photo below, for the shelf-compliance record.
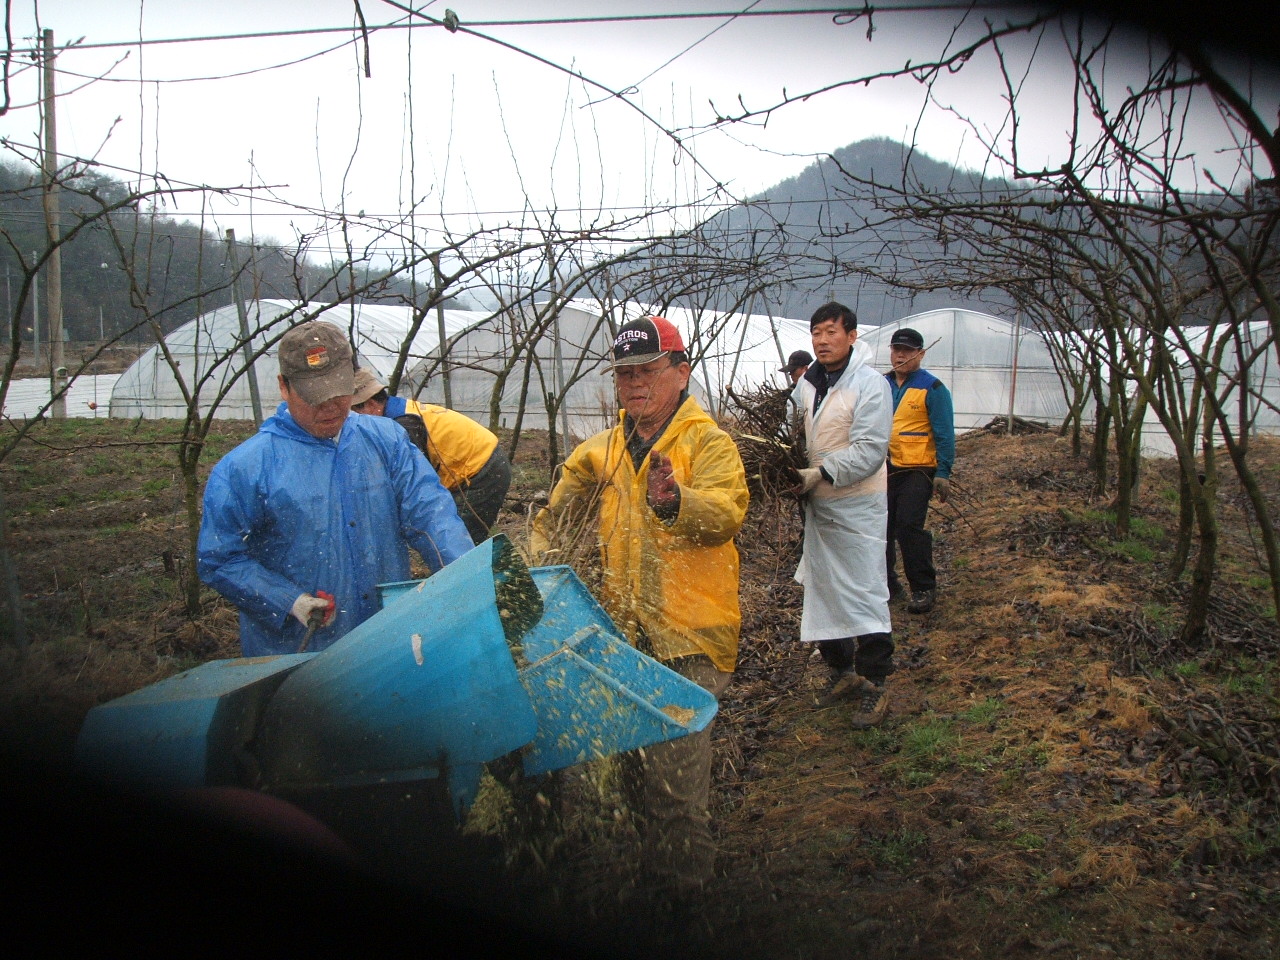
(316, 358)
(366, 385)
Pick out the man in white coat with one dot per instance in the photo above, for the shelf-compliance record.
(848, 410)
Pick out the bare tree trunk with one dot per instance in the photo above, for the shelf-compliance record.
(1261, 512)
(519, 422)
(1186, 528)
(1122, 502)
(13, 597)
(1195, 626)
(1101, 435)
(1128, 461)
(1073, 422)
(549, 405)
(189, 463)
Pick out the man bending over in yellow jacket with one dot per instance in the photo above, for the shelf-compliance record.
(467, 456)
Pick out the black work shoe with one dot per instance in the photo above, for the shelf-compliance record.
(846, 687)
(870, 705)
(922, 601)
(895, 591)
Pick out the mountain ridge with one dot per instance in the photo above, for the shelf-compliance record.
(812, 234)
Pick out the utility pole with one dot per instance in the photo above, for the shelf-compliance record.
(557, 351)
(254, 399)
(35, 308)
(52, 216)
(1013, 379)
(102, 335)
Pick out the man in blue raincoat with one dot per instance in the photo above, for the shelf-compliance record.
(320, 499)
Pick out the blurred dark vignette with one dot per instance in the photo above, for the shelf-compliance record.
(98, 872)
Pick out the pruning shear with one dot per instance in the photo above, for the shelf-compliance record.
(319, 617)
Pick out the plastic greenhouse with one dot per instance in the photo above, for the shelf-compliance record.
(742, 351)
(209, 346)
(571, 348)
(992, 367)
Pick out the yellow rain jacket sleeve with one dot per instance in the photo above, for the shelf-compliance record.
(677, 581)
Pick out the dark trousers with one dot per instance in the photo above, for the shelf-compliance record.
(870, 654)
(671, 783)
(479, 499)
(909, 494)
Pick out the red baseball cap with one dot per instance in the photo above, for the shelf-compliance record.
(645, 339)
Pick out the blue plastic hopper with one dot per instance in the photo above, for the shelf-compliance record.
(189, 730)
(567, 607)
(427, 686)
(430, 686)
(592, 692)
(596, 695)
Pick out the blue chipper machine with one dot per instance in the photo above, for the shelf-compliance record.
(486, 659)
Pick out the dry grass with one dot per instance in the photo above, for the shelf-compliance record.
(1031, 792)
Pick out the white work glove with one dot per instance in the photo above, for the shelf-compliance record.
(306, 605)
(809, 477)
(941, 488)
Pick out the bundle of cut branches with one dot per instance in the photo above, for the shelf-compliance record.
(1021, 426)
(770, 439)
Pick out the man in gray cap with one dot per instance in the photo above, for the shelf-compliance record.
(319, 501)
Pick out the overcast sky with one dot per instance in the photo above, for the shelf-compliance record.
(471, 127)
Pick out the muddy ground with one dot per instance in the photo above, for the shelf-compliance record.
(1058, 776)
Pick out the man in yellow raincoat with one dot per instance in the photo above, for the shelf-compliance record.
(670, 492)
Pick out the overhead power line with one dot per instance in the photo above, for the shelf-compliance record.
(845, 11)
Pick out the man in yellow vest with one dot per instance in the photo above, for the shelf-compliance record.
(922, 449)
(471, 463)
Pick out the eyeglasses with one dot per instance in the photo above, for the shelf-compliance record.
(640, 371)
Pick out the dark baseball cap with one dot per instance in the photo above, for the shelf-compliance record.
(906, 337)
(798, 359)
(645, 339)
(316, 358)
